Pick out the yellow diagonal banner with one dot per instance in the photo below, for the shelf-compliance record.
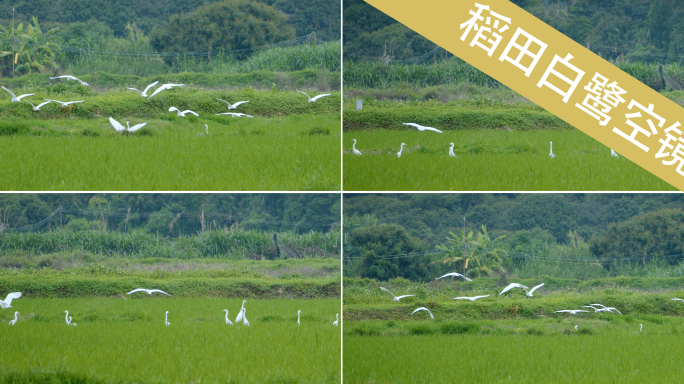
(556, 73)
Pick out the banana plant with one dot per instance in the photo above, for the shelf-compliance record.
(37, 49)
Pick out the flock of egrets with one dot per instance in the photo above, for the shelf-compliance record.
(119, 127)
(241, 317)
(451, 149)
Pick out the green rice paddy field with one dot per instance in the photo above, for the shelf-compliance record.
(124, 339)
(488, 160)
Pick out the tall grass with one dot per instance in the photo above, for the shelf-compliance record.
(126, 341)
(489, 160)
(234, 244)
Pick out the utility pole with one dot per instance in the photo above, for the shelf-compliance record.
(14, 58)
(464, 249)
(60, 217)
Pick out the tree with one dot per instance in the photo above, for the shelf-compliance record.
(224, 26)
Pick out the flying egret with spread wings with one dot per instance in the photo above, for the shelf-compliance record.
(454, 274)
(313, 99)
(144, 93)
(234, 114)
(148, 291)
(233, 106)
(396, 298)
(529, 293)
(571, 311)
(422, 128)
(182, 113)
(36, 108)
(8, 300)
(65, 103)
(15, 98)
(511, 286)
(119, 127)
(470, 298)
(678, 299)
(423, 309)
(354, 150)
(69, 77)
(164, 87)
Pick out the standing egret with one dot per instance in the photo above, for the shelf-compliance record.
(239, 316)
(354, 150)
(227, 319)
(577, 326)
(396, 298)
(422, 128)
(400, 149)
(298, 313)
(164, 87)
(183, 113)
(640, 326)
(67, 318)
(233, 106)
(12, 322)
(551, 155)
(313, 99)
(69, 77)
(614, 154)
(423, 309)
(234, 114)
(511, 286)
(65, 103)
(571, 311)
(37, 108)
(119, 127)
(529, 293)
(144, 93)
(15, 98)
(166, 319)
(206, 126)
(454, 274)
(8, 300)
(337, 318)
(470, 298)
(72, 323)
(148, 291)
(244, 317)
(451, 151)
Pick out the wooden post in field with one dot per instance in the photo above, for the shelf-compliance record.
(464, 250)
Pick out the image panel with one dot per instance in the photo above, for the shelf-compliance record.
(170, 288)
(515, 287)
(418, 118)
(169, 96)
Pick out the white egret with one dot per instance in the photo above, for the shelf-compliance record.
(511, 286)
(678, 299)
(37, 108)
(298, 313)
(354, 150)
(148, 291)
(234, 114)
(227, 319)
(65, 103)
(571, 311)
(206, 126)
(72, 323)
(244, 317)
(451, 151)
(577, 326)
(119, 127)
(67, 318)
(313, 99)
(337, 319)
(233, 106)
(423, 309)
(164, 87)
(69, 77)
(470, 298)
(15, 98)
(614, 154)
(640, 327)
(8, 300)
(12, 322)
(166, 319)
(529, 293)
(606, 309)
(400, 149)
(396, 298)
(239, 316)
(423, 128)
(144, 93)
(551, 155)
(454, 274)
(183, 113)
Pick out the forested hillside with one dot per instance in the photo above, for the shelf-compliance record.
(172, 214)
(306, 16)
(637, 30)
